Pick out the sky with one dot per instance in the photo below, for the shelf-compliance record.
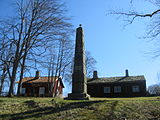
(114, 46)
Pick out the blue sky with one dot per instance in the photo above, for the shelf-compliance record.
(114, 47)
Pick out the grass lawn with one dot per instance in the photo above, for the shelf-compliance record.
(28, 108)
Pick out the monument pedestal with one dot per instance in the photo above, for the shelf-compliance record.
(78, 96)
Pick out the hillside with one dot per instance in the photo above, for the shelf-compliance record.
(145, 108)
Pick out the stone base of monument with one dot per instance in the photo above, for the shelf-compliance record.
(78, 96)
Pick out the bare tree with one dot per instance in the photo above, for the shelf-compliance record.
(37, 24)
(154, 89)
(63, 62)
(5, 61)
(58, 59)
(153, 31)
(131, 15)
(90, 64)
(2, 79)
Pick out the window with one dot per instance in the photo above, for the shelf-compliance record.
(117, 89)
(41, 91)
(107, 90)
(23, 90)
(135, 88)
(58, 84)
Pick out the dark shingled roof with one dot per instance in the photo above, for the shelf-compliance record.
(116, 79)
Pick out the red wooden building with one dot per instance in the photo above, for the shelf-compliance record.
(42, 86)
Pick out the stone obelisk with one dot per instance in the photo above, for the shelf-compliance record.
(79, 80)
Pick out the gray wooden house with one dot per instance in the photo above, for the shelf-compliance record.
(125, 86)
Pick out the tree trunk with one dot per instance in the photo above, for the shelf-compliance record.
(13, 77)
(22, 72)
(2, 79)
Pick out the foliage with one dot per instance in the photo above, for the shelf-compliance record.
(95, 109)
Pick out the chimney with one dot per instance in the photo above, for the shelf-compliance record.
(37, 74)
(95, 74)
(127, 74)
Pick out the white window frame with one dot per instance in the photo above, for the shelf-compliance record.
(41, 90)
(135, 88)
(117, 89)
(23, 90)
(58, 84)
(107, 89)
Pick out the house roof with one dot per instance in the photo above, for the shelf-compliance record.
(37, 80)
(116, 79)
(40, 80)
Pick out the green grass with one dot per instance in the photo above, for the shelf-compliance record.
(25, 108)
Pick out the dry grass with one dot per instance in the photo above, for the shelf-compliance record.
(141, 108)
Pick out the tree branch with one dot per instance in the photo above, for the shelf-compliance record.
(133, 15)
